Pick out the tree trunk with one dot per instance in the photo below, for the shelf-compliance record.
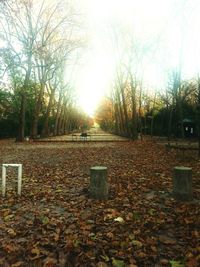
(63, 117)
(45, 129)
(22, 115)
(134, 116)
(116, 114)
(37, 112)
(65, 124)
(123, 131)
(134, 109)
(58, 114)
(59, 129)
(181, 117)
(170, 124)
(152, 126)
(21, 130)
(140, 116)
(125, 111)
(121, 115)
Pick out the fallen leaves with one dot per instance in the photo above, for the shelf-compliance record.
(17, 264)
(176, 264)
(50, 262)
(44, 220)
(102, 264)
(9, 217)
(137, 243)
(118, 263)
(119, 219)
(55, 222)
(11, 232)
(167, 240)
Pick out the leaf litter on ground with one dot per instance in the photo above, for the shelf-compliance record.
(56, 223)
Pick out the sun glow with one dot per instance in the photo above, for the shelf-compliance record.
(94, 81)
(146, 20)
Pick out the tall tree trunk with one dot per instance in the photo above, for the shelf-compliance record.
(116, 114)
(45, 129)
(134, 121)
(125, 111)
(169, 132)
(63, 116)
(140, 115)
(123, 131)
(58, 113)
(63, 121)
(22, 114)
(37, 112)
(152, 126)
(181, 117)
(60, 122)
(152, 117)
(121, 115)
(134, 112)
(66, 122)
(21, 129)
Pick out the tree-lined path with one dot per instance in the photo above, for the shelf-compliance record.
(56, 223)
(70, 66)
(94, 134)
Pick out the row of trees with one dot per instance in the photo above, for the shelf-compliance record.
(167, 113)
(39, 43)
(133, 106)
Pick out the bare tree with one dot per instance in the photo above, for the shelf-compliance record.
(34, 32)
(19, 33)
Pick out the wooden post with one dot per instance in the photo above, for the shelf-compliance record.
(182, 183)
(98, 182)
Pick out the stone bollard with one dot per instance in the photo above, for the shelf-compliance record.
(182, 183)
(98, 182)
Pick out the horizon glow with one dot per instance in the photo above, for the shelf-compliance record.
(175, 22)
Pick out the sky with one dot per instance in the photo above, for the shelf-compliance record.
(167, 29)
(171, 26)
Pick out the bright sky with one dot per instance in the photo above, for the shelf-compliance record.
(162, 20)
(171, 27)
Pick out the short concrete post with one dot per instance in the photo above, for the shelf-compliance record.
(182, 183)
(98, 182)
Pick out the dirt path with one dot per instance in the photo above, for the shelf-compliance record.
(55, 223)
(94, 135)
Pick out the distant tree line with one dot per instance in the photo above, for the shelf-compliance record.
(174, 112)
(132, 107)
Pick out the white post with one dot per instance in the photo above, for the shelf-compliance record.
(3, 181)
(19, 188)
(19, 178)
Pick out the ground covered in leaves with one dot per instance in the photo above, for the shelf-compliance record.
(55, 223)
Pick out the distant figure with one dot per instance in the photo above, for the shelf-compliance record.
(84, 135)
